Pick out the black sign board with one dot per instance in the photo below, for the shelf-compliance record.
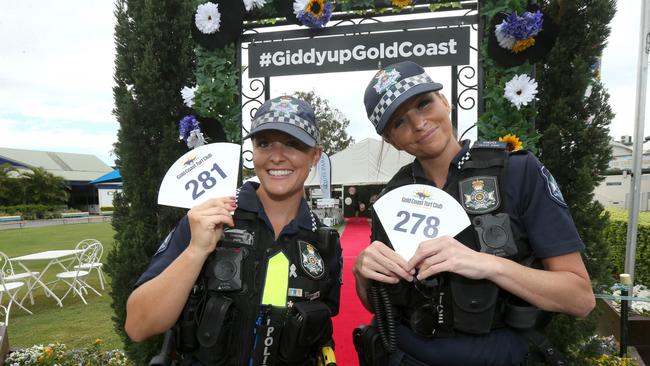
(430, 47)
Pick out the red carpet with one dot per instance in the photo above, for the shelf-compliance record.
(356, 236)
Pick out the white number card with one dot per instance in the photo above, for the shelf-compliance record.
(206, 172)
(414, 213)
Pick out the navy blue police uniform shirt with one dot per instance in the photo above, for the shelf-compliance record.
(538, 215)
(179, 238)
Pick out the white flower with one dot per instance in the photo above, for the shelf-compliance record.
(520, 90)
(299, 6)
(188, 95)
(195, 139)
(505, 40)
(208, 18)
(250, 4)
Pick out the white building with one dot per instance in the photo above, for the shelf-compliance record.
(614, 191)
(78, 170)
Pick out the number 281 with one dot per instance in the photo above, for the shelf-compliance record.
(206, 180)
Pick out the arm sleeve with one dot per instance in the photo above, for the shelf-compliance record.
(544, 215)
(170, 248)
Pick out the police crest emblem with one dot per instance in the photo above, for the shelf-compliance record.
(480, 195)
(285, 105)
(310, 260)
(385, 79)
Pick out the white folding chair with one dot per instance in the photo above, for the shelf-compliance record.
(10, 288)
(10, 275)
(97, 265)
(75, 279)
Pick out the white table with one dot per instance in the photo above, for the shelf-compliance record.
(58, 257)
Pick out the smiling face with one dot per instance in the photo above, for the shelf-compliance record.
(421, 126)
(282, 164)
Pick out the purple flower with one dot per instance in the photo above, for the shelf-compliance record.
(522, 27)
(186, 125)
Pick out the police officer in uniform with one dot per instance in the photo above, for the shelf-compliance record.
(471, 299)
(252, 279)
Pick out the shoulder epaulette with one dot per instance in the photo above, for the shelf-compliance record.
(489, 145)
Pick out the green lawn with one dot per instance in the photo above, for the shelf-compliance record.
(76, 324)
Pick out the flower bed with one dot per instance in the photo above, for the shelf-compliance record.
(57, 354)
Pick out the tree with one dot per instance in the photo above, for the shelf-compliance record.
(573, 119)
(44, 188)
(153, 62)
(331, 123)
(10, 187)
(37, 186)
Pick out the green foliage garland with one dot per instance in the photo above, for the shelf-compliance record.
(500, 116)
(217, 94)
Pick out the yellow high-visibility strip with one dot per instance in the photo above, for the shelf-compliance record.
(277, 281)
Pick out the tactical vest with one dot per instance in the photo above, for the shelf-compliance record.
(448, 303)
(223, 322)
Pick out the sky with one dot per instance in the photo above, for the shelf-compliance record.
(57, 63)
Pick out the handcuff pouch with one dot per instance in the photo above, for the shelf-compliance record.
(308, 323)
(215, 328)
(474, 304)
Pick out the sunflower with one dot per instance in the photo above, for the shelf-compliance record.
(513, 142)
(313, 13)
(401, 3)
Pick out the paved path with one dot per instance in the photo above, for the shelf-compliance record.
(40, 223)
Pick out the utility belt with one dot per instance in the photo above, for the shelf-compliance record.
(449, 303)
(282, 336)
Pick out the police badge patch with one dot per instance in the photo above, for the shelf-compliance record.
(310, 260)
(552, 188)
(480, 195)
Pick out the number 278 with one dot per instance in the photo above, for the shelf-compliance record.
(430, 228)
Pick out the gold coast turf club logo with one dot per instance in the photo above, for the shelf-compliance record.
(422, 194)
(190, 160)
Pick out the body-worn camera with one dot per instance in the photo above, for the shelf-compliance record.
(224, 269)
(495, 234)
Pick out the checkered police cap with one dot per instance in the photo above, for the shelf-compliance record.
(392, 86)
(289, 115)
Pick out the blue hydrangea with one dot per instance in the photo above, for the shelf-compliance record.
(522, 27)
(187, 125)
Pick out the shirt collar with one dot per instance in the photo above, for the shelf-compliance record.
(247, 200)
(418, 171)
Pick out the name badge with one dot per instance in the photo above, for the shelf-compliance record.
(414, 213)
(209, 171)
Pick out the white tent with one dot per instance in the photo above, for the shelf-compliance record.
(367, 162)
